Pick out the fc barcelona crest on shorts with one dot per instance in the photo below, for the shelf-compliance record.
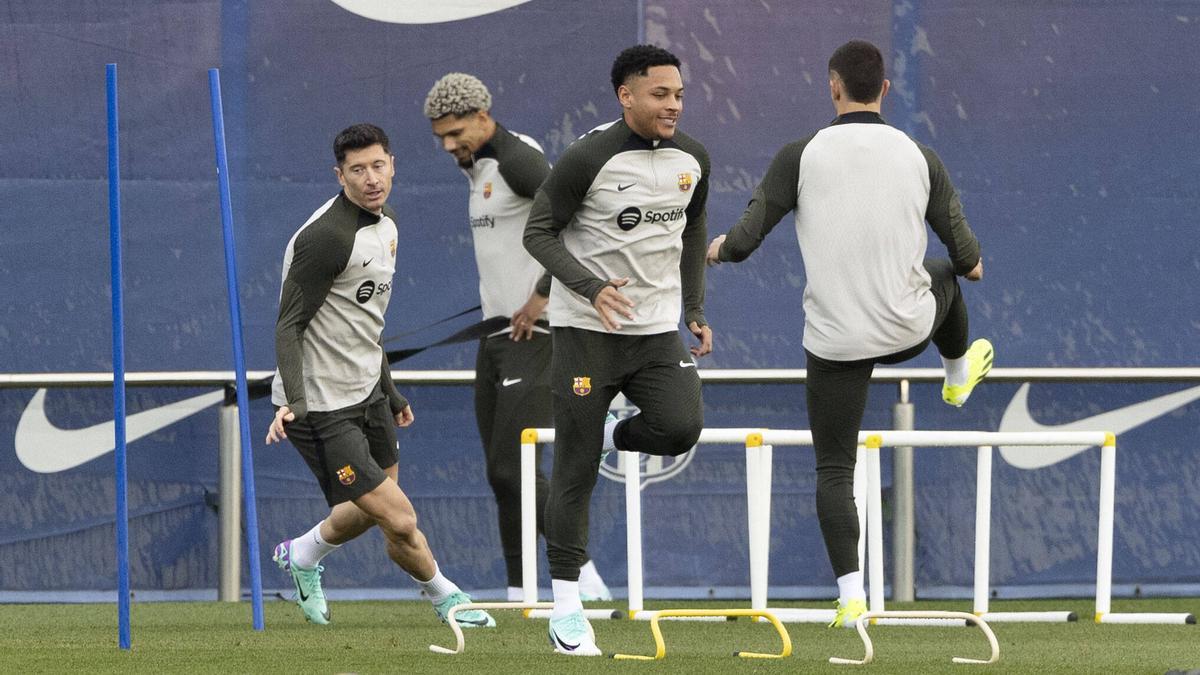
(346, 475)
(582, 386)
(685, 182)
(487, 190)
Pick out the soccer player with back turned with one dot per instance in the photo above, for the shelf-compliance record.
(862, 192)
(619, 223)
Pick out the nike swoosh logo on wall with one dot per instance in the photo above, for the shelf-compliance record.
(45, 448)
(1018, 418)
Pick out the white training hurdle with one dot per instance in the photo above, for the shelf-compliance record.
(759, 444)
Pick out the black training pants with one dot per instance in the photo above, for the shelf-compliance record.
(512, 393)
(656, 373)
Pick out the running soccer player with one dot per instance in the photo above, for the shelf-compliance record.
(512, 368)
(862, 192)
(333, 389)
(619, 223)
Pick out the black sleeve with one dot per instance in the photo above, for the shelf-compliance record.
(946, 218)
(316, 262)
(774, 197)
(554, 207)
(543, 285)
(521, 165)
(396, 400)
(695, 243)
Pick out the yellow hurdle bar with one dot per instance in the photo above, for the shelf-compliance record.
(867, 618)
(660, 646)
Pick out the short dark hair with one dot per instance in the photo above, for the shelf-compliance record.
(637, 60)
(357, 137)
(860, 66)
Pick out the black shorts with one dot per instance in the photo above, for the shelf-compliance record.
(348, 449)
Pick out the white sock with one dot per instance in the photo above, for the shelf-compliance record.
(588, 574)
(850, 587)
(609, 428)
(516, 594)
(566, 598)
(957, 370)
(309, 548)
(439, 587)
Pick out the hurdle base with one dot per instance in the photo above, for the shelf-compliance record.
(590, 614)
(1029, 617)
(651, 615)
(802, 615)
(1145, 618)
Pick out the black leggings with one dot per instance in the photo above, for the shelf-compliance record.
(836, 393)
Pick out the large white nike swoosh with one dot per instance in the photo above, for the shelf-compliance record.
(1017, 418)
(45, 448)
(421, 11)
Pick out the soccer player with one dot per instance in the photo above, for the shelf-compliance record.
(333, 389)
(862, 192)
(512, 368)
(619, 223)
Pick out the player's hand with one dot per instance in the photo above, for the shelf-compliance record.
(405, 417)
(276, 434)
(704, 334)
(977, 273)
(524, 318)
(611, 303)
(713, 257)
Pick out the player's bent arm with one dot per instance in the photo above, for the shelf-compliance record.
(396, 400)
(945, 217)
(542, 241)
(695, 240)
(774, 197)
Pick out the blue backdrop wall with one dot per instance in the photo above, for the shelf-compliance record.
(1068, 128)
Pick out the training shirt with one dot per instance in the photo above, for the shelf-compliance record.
(618, 205)
(337, 280)
(862, 192)
(504, 177)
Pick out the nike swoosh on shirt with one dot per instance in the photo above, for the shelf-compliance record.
(1018, 418)
(687, 364)
(508, 383)
(45, 448)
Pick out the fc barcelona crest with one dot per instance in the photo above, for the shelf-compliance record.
(487, 189)
(582, 386)
(346, 475)
(392, 247)
(685, 182)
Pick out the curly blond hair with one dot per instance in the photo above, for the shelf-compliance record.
(457, 94)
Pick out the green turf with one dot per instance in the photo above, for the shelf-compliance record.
(392, 637)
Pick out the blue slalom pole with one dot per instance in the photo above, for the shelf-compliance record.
(239, 356)
(118, 350)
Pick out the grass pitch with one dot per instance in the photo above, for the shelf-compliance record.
(393, 637)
